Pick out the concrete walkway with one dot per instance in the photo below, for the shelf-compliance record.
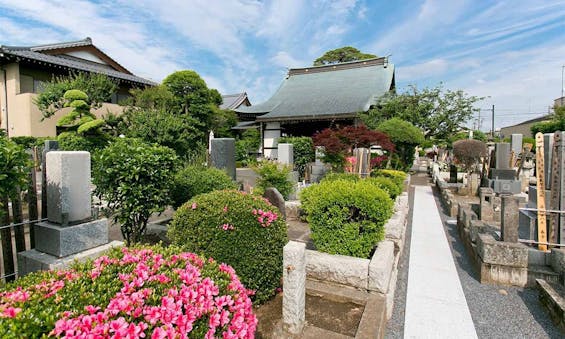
(435, 303)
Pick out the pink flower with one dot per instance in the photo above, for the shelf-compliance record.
(225, 209)
(194, 205)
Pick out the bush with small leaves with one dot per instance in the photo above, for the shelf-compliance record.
(469, 152)
(239, 229)
(273, 174)
(346, 217)
(397, 176)
(193, 180)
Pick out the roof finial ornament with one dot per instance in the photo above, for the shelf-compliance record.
(88, 39)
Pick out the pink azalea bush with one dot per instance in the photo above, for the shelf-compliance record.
(147, 292)
(242, 230)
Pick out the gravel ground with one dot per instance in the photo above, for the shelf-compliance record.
(497, 312)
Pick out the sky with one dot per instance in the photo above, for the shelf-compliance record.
(510, 52)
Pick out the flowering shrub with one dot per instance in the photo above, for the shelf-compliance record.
(239, 229)
(130, 293)
(346, 217)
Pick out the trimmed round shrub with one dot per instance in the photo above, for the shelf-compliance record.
(346, 217)
(193, 180)
(148, 292)
(239, 229)
(333, 176)
(397, 176)
(386, 184)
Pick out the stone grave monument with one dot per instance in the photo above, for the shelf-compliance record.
(286, 154)
(362, 165)
(70, 232)
(502, 178)
(222, 155)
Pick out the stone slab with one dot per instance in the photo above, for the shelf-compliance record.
(380, 267)
(502, 174)
(62, 241)
(551, 297)
(292, 210)
(505, 186)
(276, 199)
(222, 155)
(503, 274)
(285, 154)
(502, 155)
(68, 187)
(373, 321)
(34, 260)
(516, 144)
(339, 269)
(501, 253)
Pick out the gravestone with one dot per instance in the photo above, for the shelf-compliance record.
(516, 143)
(509, 218)
(69, 234)
(502, 155)
(452, 174)
(294, 284)
(561, 163)
(502, 178)
(286, 154)
(222, 155)
(50, 145)
(275, 197)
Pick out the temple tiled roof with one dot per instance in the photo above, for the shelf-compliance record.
(41, 54)
(326, 92)
(233, 101)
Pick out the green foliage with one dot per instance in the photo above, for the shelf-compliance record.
(387, 184)
(181, 133)
(397, 176)
(14, 168)
(247, 146)
(343, 54)
(194, 180)
(91, 126)
(303, 149)
(44, 297)
(71, 141)
(405, 138)
(97, 87)
(230, 227)
(333, 176)
(436, 112)
(346, 217)
(463, 135)
(273, 174)
(557, 123)
(28, 142)
(73, 95)
(222, 122)
(469, 152)
(135, 179)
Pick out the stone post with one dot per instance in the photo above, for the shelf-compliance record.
(452, 174)
(222, 155)
(286, 154)
(516, 144)
(362, 165)
(509, 218)
(294, 286)
(486, 199)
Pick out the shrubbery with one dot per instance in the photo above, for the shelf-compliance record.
(387, 184)
(14, 169)
(140, 292)
(193, 180)
(469, 152)
(241, 230)
(397, 176)
(273, 174)
(303, 150)
(135, 179)
(346, 217)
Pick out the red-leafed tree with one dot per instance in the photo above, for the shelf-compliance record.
(338, 143)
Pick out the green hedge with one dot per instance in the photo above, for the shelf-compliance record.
(193, 180)
(386, 184)
(397, 176)
(346, 217)
(239, 229)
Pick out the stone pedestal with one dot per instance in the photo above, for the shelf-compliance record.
(222, 155)
(294, 284)
(61, 241)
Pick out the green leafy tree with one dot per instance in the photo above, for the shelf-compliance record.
(477, 135)
(14, 168)
(343, 54)
(135, 179)
(436, 112)
(469, 153)
(557, 123)
(303, 149)
(247, 146)
(405, 138)
(97, 87)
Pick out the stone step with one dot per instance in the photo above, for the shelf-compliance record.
(551, 296)
(546, 273)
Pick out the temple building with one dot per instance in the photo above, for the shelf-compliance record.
(313, 98)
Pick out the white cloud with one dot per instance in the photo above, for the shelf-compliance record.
(432, 68)
(284, 59)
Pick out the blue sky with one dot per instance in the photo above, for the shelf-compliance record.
(509, 51)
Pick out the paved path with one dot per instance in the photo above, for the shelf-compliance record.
(435, 302)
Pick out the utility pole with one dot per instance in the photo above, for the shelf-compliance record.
(492, 128)
(479, 121)
(562, 85)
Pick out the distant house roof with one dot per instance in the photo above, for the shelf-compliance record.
(326, 92)
(233, 101)
(60, 55)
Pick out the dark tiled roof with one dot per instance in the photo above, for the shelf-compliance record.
(232, 101)
(34, 54)
(326, 92)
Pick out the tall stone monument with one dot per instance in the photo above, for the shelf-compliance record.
(222, 155)
(286, 154)
(502, 178)
(69, 233)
